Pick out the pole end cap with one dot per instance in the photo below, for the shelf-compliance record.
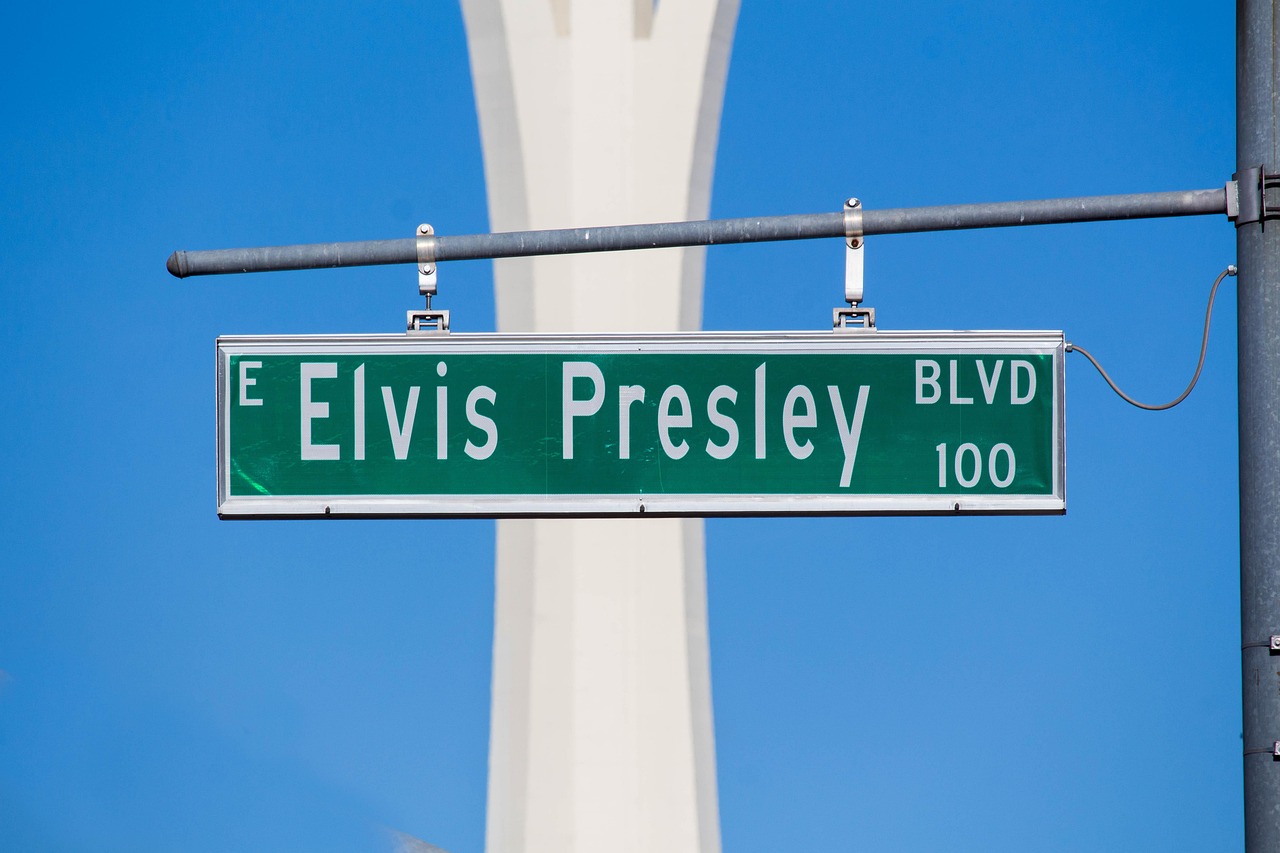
(177, 264)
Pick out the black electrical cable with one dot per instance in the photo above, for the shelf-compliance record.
(1204, 346)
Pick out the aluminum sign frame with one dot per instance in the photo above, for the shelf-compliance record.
(427, 505)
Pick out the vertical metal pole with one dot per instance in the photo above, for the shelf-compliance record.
(1258, 257)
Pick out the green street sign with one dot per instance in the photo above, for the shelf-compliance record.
(846, 422)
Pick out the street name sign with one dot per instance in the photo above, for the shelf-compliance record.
(695, 424)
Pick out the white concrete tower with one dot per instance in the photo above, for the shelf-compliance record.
(597, 112)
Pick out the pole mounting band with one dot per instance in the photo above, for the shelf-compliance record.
(425, 244)
(1253, 196)
(853, 222)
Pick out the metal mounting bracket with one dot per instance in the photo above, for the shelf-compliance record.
(853, 318)
(1253, 195)
(427, 321)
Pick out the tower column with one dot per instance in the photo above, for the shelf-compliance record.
(594, 113)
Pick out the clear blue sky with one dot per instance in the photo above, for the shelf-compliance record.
(172, 682)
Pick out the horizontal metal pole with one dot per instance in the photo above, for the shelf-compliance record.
(613, 238)
(1052, 211)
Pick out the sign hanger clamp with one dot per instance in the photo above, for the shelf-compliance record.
(427, 321)
(854, 318)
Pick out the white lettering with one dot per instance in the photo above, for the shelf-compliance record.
(931, 380)
(357, 415)
(1014, 397)
(627, 394)
(724, 422)
(791, 421)
(571, 408)
(400, 433)
(245, 382)
(668, 421)
(1002, 482)
(850, 434)
(312, 410)
(442, 422)
(956, 399)
(760, 412)
(442, 415)
(968, 449)
(989, 385)
(482, 422)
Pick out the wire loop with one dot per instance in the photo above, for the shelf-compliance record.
(1204, 346)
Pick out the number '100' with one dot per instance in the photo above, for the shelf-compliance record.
(967, 465)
